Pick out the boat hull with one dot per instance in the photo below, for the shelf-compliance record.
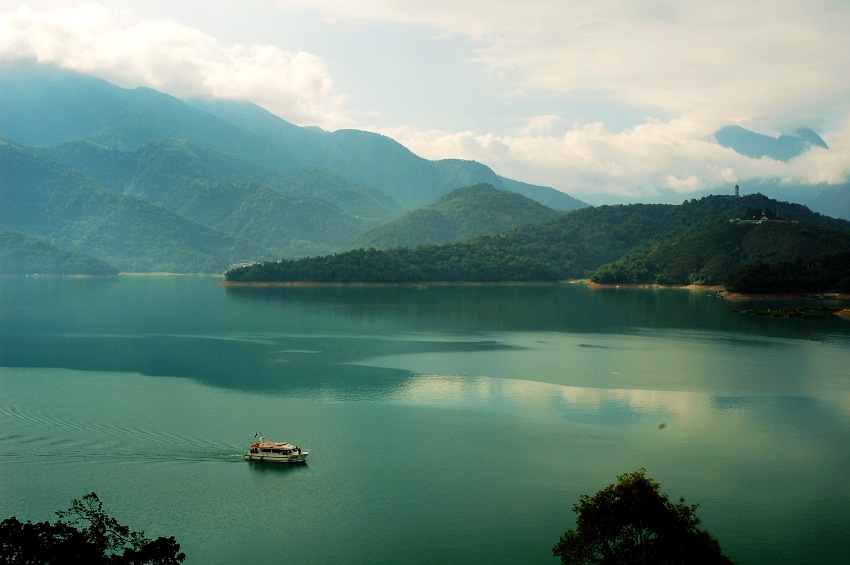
(275, 452)
(276, 458)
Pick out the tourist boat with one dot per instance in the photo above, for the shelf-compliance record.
(276, 452)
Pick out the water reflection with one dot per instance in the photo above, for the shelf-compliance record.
(273, 469)
(534, 307)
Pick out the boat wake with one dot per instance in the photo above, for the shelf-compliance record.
(29, 436)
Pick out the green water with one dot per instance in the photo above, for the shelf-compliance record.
(446, 424)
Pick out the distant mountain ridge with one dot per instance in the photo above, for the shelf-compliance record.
(757, 145)
(55, 203)
(231, 172)
(461, 214)
(376, 160)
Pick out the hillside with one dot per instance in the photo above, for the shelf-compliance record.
(171, 185)
(47, 200)
(232, 196)
(574, 245)
(712, 252)
(22, 254)
(462, 214)
(47, 106)
(375, 160)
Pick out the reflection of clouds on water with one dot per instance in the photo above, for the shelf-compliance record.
(654, 401)
(841, 402)
(598, 405)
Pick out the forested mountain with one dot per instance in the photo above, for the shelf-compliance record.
(233, 196)
(230, 181)
(575, 245)
(22, 254)
(376, 160)
(711, 252)
(53, 202)
(462, 214)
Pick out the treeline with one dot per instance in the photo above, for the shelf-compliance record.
(828, 272)
(655, 243)
(22, 254)
(456, 263)
(710, 252)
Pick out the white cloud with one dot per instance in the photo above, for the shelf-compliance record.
(178, 59)
(750, 62)
(639, 162)
(769, 65)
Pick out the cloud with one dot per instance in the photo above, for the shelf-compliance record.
(768, 65)
(742, 62)
(641, 162)
(181, 60)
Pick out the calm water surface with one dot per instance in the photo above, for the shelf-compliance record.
(446, 424)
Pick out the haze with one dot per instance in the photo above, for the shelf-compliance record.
(608, 101)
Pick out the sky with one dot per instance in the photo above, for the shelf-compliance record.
(607, 100)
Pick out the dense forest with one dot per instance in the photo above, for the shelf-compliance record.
(147, 182)
(639, 243)
(827, 272)
(711, 251)
(22, 254)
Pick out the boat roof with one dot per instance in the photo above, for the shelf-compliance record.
(264, 442)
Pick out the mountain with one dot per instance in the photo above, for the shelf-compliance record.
(45, 105)
(710, 253)
(22, 254)
(247, 183)
(232, 196)
(757, 145)
(375, 160)
(462, 214)
(574, 245)
(45, 199)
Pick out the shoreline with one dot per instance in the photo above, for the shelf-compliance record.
(719, 290)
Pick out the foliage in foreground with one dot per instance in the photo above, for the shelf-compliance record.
(631, 522)
(83, 534)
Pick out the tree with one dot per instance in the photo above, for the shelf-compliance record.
(631, 522)
(88, 536)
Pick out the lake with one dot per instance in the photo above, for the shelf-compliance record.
(445, 424)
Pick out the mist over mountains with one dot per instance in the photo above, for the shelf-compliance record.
(99, 179)
(147, 182)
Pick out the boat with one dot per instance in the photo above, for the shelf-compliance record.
(275, 452)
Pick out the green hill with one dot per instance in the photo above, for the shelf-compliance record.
(377, 161)
(712, 252)
(229, 195)
(575, 245)
(22, 254)
(47, 200)
(158, 166)
(145, 181)
(462, 214)
(45, 106)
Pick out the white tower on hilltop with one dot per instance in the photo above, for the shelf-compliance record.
(737, 194)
